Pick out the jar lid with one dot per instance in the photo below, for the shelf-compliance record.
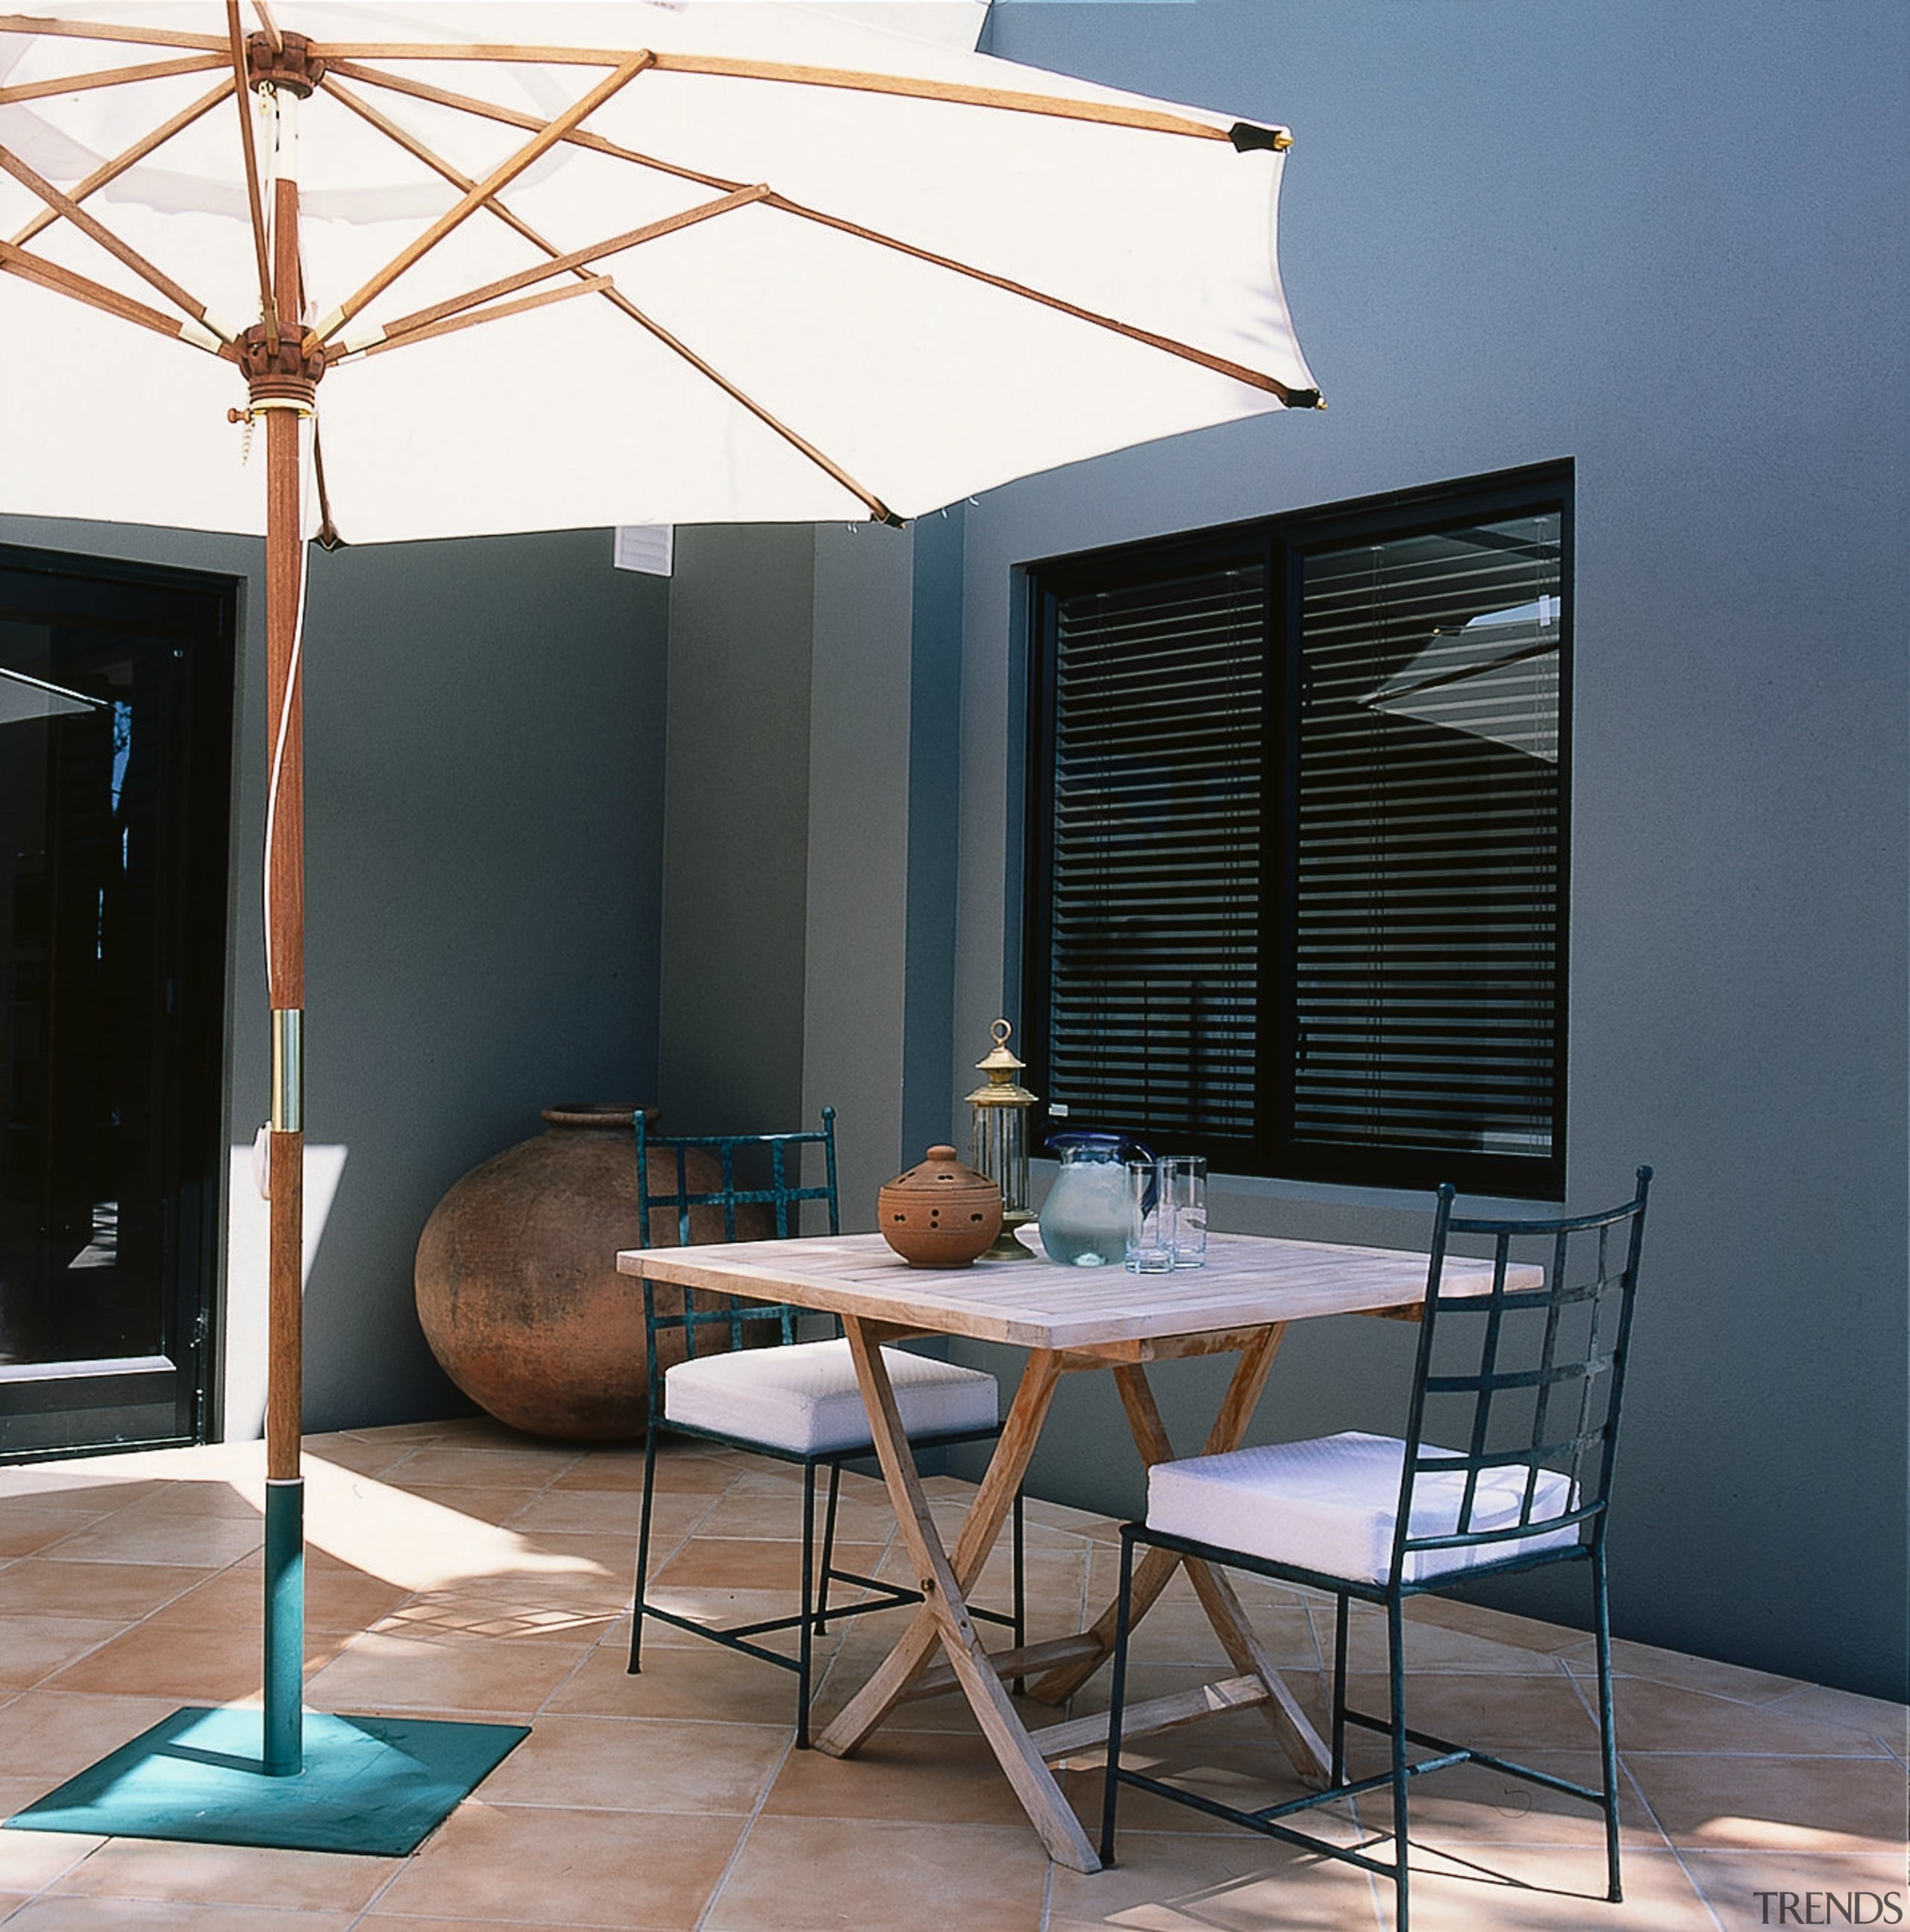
(943, 1172)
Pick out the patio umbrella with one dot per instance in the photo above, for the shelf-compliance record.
(494, 266)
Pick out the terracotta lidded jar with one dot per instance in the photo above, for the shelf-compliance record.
(940, 1213)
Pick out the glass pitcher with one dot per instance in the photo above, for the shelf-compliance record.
(1084, 1220)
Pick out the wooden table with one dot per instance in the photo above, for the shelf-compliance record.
(1068, 1319)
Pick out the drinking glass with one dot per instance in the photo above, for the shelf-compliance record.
(1184, 1185)
(1150, 1220)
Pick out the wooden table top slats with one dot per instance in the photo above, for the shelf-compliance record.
(1248, 1280)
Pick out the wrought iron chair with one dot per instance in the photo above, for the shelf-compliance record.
(794, 1399)
(1527, 1383)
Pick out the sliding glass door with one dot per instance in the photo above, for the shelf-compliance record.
(116, 737)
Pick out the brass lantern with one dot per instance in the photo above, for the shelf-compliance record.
(1000, 1141)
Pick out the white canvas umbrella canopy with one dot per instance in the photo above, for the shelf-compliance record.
(765, 319)
(553, 265)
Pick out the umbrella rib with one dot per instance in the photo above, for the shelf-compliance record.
(96, 231)
(268, 26)
(110, 76)
(130, 158)
(416, 324)
(876, 507)
(1109, 113)
(1239, 372)
(560, 262)
(255, 204)
(512, 117)
(398, 337)
(478, 196)
(955, 93)
(597, 143)
(96, 294)
(576, 259)
(91, 30)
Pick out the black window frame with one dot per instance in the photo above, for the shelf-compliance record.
(1280, 547)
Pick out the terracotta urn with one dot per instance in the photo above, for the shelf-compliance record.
(516, 1279)
(940, 1213)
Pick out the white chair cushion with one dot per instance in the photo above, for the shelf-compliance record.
(1331, 1504)
(804, 1397)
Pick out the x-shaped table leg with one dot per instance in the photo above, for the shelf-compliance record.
(945, 1578)
(1298, 1738)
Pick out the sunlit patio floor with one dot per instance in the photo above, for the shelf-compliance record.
(458, 1570)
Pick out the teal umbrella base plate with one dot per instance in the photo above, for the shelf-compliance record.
(377, 1785)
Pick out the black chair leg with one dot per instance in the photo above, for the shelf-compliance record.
(828, 1549)
(643, 1549)
(1607, 1727)
(1396, 1687)
(1340, 1617)
(806, 1628)
(1116, 1702)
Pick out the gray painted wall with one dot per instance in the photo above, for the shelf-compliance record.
(736, 834)
(483, 738)
(1653, 240)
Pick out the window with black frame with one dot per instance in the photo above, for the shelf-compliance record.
(1296, 888)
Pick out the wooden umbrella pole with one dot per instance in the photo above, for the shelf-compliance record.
(284, 1573)
(284, 382)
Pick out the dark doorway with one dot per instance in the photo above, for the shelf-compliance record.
(116, 753)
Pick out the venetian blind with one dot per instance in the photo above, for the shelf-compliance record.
(1156, 946)
(1428, 973)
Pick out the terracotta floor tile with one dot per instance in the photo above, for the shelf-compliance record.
(375, 1921)
(456, 1567)
(32, 1648)
(1433, 1647)
(922, 1776)
(777, 1515)
(366, 1455)
(1217, 1881)
(339, 1601)
(489, 1465)
(1663, 1717)
(834, 1875)
(493, 1504)
(642, 1764)
(30, 1861)
(56, 1735)
(1731, 1880)
(1494, 1626)
(1508, 1890)
(452, 1613)
(235, 1875)
(51, 1587)
(1501, 1714)
(108, 1483)
(735, 1563)
(173, 1656)
(635, 1871)
(683, 1677)
(210, 1541)
(145, 1915)
(27, 1530)
(1888, 1724)
(1701, 1674)
(382, 1673)
(615, 1469)
(608, 1513)
(1789, 1804)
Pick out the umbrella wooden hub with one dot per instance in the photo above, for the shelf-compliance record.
(277, 365)
(291, 65)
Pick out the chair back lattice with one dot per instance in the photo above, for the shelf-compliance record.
(665, 1183)
(1515, 1382)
